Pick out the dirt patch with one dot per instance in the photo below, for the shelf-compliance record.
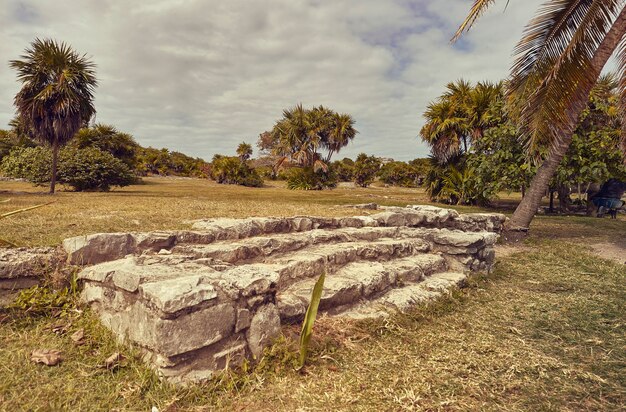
(507, 249)
(611, 251)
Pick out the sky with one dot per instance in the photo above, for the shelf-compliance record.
(200, 77)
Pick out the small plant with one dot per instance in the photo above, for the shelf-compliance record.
(309, 319)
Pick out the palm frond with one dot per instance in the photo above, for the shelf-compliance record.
(478, 9)
(553, 64)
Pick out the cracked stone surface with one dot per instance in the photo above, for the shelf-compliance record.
(196, 301)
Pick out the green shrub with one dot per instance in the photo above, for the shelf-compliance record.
(81, 169)
(307, 179)
(30, 163)
(231, 170)
(92, 169)
(398, 174)
(365, 169)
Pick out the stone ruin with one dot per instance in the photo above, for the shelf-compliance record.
(199, 300)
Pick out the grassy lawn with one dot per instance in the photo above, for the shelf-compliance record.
(546, 331)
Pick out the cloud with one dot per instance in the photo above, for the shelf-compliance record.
(202, 76)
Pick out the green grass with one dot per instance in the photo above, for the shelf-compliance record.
(544, 332)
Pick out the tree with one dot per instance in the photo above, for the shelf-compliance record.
(244, 151)
(365, 169)
(56, 98)
(108, 139)
(302, 134)
(460, 116)
(559, 59)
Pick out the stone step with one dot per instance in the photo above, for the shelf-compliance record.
(251, 248)
(402, 298)
(356, 281)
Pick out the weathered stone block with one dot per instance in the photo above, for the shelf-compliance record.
(264, 328)
(97, 248)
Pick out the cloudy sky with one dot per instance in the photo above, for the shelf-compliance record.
(200, 76)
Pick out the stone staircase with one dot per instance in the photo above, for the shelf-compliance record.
(196, 301)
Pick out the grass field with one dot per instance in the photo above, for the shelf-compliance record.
(545, 332)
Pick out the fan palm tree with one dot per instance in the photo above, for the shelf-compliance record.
(56, 97)
(244, 151)
(301, 134)
(558, 61)
(459, 116)
(341, 132)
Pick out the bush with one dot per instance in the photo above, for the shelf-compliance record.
(307, 179)
(30, 163)
(344, 169)
(81, 169)
(92, 169)
(365, 169)
(399, 174)
(231, 170)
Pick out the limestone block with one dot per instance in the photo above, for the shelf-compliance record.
(244, 317)
(97, 248)
(173, 295)
(249, 280)
(301, 224)
(26, 262)
(194, 330)
(390, 218)
(264, 328)
(154, 241)
(291, 306)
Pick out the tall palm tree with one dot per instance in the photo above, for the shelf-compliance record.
(56, 97)
(558, 61)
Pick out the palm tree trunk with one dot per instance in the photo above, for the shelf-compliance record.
(55, 158)
(523, 215)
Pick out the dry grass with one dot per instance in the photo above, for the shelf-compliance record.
(545, 332)
(166, 203)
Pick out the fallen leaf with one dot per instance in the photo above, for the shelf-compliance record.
(49, 357)
(78, 336)
(61, 327)
(113, 360)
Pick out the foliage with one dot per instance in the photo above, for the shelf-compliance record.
(309, 319)
(162, 162)
(231, 170)
(399, 174)
(56, 97)
(306, 178)
(31, 163)
(365, 169)
(92, 169)
(10, 139)
(460, 116)
(82, 169)
(108, 139)
(244, 151)
(46, 301)
(500, 162)
(344, 169)
(302, 134)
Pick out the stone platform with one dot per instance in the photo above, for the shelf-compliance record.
(196, 301)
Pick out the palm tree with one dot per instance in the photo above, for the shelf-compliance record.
(558, 61)
(301, 134)
(340, 133)
(56, 97)
(244, 151)
(460, 115)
